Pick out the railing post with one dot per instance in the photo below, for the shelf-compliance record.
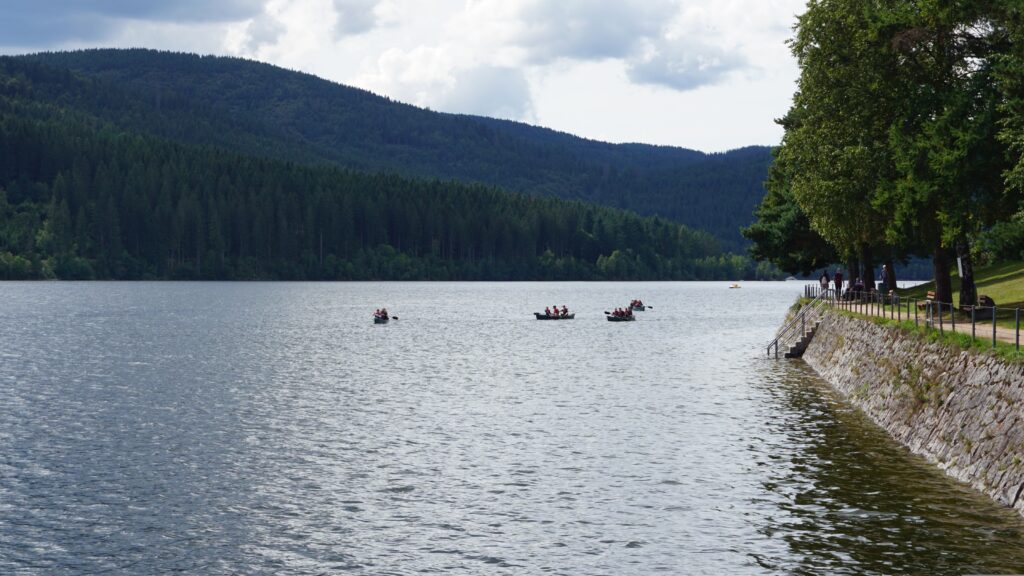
(974, 322)
(914, 302)
(899, 309)
(952, 315)
(1018, 330)
(942, 328)
(993, 326)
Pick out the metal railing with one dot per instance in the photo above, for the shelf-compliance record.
(796, 328)
(935, 315)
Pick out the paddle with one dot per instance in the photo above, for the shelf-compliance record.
(394, 317)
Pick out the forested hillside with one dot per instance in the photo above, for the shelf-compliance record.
(81, 198)
(257, 109)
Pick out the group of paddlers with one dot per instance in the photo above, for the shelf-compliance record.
(554, 312)
(623, 312)
(381, 313)
(636, 303)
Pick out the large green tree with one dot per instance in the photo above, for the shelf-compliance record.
(835, 149)
(950, 163)
(782, 234)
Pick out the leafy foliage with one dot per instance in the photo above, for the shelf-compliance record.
(898, 137)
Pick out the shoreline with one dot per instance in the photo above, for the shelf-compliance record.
(961, 410)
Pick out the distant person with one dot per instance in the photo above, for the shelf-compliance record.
(824, 280)
(838, 279)
(565, 311)
(547, 311)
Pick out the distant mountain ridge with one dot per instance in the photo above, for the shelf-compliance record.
(259, 109)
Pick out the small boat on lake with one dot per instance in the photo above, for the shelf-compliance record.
(639, 307)
(380, 316)
(734, 285)
(543, 316)
(380, 319)
(614, 318)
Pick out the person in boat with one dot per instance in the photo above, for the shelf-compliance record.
(565, 311)
(547, 311)
(383, 312)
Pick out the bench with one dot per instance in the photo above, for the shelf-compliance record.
(930, 297)
(984, 309)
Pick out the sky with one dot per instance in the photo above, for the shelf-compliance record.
(709, 75)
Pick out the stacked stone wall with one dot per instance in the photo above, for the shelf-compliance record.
(963, 411)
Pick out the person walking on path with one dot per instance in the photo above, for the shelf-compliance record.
(838, 278)
(824, 280)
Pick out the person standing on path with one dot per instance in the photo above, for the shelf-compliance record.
(838, 277)
(824, 280)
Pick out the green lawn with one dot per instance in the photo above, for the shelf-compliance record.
(1004, 283)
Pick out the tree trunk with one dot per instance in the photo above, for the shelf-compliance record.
(852, 270)
(968, 290)
(890, 275)
(943, 286)
(868, 265)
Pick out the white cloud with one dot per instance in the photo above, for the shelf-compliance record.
(288, 27)
(354, 16)
(494, 91)
(546, 30)
(642, 70)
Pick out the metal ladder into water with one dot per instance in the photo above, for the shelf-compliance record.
(798, 332)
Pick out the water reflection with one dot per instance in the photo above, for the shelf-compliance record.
(849, 500)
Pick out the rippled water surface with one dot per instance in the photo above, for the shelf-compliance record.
(273, 429)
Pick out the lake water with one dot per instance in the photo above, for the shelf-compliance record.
(272, 428)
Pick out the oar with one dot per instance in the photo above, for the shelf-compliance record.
(648, 306)
(394, 317)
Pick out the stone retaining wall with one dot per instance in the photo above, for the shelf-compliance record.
(964, 411)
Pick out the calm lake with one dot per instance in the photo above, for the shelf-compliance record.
(272, 428)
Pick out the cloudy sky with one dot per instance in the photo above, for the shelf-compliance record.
(705, 74)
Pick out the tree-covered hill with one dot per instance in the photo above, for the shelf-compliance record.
(81, 197)
(257, 109)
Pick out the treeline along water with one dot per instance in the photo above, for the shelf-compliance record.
(272, 428)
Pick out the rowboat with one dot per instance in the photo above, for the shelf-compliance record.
(542, 316)
(734, 286)
(380, 319)
(620, 318)
(639, 307)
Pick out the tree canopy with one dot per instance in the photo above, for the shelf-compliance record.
(901, 131)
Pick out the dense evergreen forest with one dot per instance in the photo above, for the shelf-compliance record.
(82, 198)
(257, 109)
(905, 138)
